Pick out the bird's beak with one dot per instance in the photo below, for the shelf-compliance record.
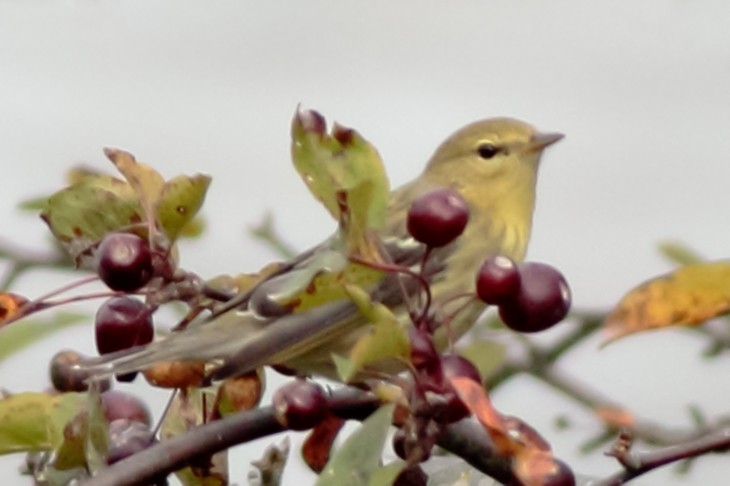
(541, 140)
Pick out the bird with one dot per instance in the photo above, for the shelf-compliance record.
(492, 163)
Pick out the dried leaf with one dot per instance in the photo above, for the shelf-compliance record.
(146, 182)
(318, 444)
(270, 467)
(689, 296)
(359, 457)
(239, 393)
(176, 374)
(10, 306)
(477, 401)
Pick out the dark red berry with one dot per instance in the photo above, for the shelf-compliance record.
(127, 437)
(300, 405)
(411, 476)
(125, 261)
(498, 280)
(122, 322)
(454, 365)
(409, 447)
(120, 405)
(126, 377)
(561, 475)
(399, 444)
(65, 377)
(452, 409)
(542, 301)
(438, 217)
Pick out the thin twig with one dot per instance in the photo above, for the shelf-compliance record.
(638, 463)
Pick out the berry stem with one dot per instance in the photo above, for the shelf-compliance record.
(389, 267)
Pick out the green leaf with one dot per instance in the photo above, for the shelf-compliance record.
(487, 356)
(679, 253)
(180, 200)
(97, 437)
(185, 412)
(22, 334)
(358, 458)
(345, 173)
(79, 215)
(384, 476)
(386, 339)
(36, 421)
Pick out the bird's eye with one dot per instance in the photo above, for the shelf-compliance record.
(487, 151)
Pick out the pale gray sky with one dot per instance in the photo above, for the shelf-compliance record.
(639, 88)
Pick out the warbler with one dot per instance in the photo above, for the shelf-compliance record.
(492, 164)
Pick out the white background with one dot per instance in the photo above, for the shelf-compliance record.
(642, 90)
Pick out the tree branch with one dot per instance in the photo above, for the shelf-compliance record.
(466, 439)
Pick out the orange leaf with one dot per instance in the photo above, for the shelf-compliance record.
(535, 467)
(689, 296)
(477, 401)
(616, 416)
(532, 460)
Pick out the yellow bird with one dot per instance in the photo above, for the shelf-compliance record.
(492, 163)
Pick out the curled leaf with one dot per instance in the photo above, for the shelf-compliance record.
(345, 173)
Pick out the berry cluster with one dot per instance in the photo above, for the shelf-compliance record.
(531, 297)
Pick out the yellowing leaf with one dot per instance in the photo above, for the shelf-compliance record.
(386, 339)
(688, 296)
(79, 215)
(95, 204)
(179, 201)
(36, 421)
(146, 182)
(344, 172)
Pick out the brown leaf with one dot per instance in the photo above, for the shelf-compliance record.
(176, 374)
(240, 393)
(690, 295)
(318, 444)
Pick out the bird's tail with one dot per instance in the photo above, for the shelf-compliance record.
(237, 342)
